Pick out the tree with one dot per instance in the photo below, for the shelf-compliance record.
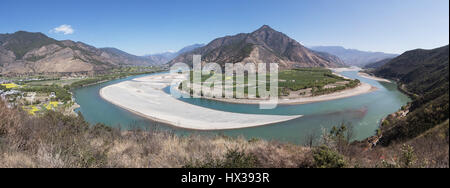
(408, 158)
(310, 138)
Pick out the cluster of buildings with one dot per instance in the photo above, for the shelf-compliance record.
(30, 101)
(4, 81)
(9, 86)
(3, 94)
(10, 96)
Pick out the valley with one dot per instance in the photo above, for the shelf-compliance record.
(363, 111)
(297, 86)
(224, 84)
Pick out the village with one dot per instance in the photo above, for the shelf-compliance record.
(33, 102)
(38, 94)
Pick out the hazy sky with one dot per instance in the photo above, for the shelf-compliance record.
(143, 27)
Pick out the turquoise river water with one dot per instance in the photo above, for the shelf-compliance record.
(364, 112)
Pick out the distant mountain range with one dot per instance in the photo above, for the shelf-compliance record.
(354, 57)
(264, 45)
(27, 53)
(330, 58)
(377, 64)
(163, 58)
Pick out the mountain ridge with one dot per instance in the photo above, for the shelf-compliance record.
(34, 53)
(163, 58)
(264, 45)
(377, 64)
(354, 57)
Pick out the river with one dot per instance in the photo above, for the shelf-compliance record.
(364, 112)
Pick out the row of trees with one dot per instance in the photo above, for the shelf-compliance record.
(61, 93)
(322, 91)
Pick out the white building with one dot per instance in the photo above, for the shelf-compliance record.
(11, 92)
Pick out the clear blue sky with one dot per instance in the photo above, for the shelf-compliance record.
(142, 27)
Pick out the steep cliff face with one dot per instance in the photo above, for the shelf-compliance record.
(264, 45)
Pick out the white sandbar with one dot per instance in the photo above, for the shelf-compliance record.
(144, 96)
(363, 88)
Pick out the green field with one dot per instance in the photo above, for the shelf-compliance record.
(298, 79)
(292, 80)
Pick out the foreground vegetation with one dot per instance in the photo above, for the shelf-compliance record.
(55, 140)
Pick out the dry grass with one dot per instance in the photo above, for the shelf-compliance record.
(58, 141)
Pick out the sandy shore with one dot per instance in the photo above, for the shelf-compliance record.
(363, 88)
(338, 70)
(144, 96)
(365, 75)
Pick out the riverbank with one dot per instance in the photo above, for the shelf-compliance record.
(365, 75)
(363, 88)
(345, 69)
(145, 97)
(107, 78)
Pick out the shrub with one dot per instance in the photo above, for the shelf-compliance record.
(234, 158)
(408, 158)
(327, 158)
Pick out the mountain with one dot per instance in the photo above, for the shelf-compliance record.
(377, 64)
(354, 57)
(330, 57)
(163, 58)
(189, 49)
(424, 74)
(30, 53)
(264, 45)
(126, 58)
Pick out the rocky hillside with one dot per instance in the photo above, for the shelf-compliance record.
(425, 75)
(30, 53)
(354, 57)
(330, 57)
(264, 45)
(378, 64)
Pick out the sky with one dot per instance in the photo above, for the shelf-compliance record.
(151, 26)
